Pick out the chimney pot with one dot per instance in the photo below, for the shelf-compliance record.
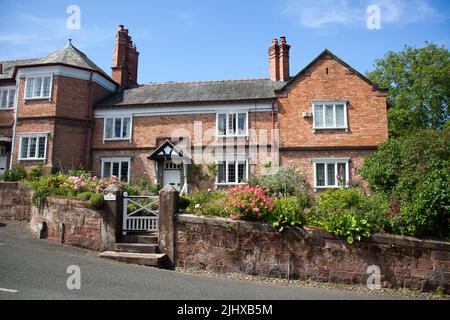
(121, 26)
(283, 40)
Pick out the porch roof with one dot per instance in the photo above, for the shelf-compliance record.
(165, 152)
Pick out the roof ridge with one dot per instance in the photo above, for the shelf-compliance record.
(200, 81)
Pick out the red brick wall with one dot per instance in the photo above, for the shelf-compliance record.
(69, 141)
(146, 130)
(141, 167)
(302, 160)
(367, 114)
(39, 107)
(44, 126)
(6, 122)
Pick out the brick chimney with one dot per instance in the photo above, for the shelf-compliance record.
(279, 60)
(284, 59)
(125, 60)
(274, 61)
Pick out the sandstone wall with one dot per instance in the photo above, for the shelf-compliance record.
(224, 245)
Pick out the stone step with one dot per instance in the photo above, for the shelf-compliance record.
(146, 259)
(148, 239)
(136, 247)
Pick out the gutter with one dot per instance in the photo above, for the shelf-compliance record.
(16, 106)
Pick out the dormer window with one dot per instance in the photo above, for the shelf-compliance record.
(330, 114)
(38, 87)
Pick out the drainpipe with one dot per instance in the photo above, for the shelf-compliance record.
(87, 154)
(16, 106)
(273, 114)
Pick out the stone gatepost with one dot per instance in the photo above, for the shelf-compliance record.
(168, 207)
(111, 217)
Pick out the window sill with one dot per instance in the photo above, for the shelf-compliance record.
(324, 129)
(31, 159)
(37, 98)
(6, 109)
(117, 139)
(330, 187)
(233, 136)
(230, 184)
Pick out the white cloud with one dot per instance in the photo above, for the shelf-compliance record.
(35, 35)
(330, 13)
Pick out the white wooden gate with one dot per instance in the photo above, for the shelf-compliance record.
(141, 215)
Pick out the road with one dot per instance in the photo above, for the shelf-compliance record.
(36, 269)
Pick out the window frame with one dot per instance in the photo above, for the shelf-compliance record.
(30, 136)
(8, 90)
(323, 103)
(34, 76)
(227, 118)
(236, 161)
(114, 160)
(326, 162)
(122, 117)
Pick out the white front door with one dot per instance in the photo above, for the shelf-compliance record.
(3, 164)
(3, 159)
(172, 174)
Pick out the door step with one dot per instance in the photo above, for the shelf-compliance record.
(146, 259)
(136, 247)
(146, 239)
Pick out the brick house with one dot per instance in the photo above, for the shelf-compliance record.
(62, 111)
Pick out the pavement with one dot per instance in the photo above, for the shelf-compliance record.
(37, 269)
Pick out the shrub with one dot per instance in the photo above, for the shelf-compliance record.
(17, 173)
(40, 196)
(96, 200)
(249, 203)
(285, 181)
(413, 173)
(207, 204)
(345, 224)
(288, 212)
(85, 196)
(350, 213)
(183, 203)
(373, 208)
(428, 212)
(35, 172)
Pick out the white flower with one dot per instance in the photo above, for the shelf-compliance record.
(197, 206)
(209, 189)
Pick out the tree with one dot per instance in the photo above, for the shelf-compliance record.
(419, 87)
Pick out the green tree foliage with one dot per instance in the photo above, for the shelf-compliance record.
(414, 171)
(419, 85)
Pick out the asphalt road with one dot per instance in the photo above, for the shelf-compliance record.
(36, 269)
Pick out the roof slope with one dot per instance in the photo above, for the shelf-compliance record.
(178, 92)
(345, 64)
(8, 66)
(69, 55)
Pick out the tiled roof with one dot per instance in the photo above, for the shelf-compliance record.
(8, 66)
(178, 92)
(68, 55)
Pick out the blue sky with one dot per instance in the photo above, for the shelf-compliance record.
(212, 40)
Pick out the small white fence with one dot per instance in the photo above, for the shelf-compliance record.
(140, 213)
